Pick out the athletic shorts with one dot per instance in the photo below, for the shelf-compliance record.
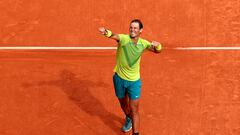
(123, 87)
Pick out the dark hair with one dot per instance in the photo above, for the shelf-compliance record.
(139, 22)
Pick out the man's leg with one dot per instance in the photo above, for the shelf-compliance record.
(134, 106)
(134, 91)
(124, 102)
(123, 98)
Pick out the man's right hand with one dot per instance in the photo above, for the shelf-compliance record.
(104, 32)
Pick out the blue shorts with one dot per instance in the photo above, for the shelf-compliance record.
(123, 87)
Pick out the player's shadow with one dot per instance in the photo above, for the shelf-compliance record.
(78, 91)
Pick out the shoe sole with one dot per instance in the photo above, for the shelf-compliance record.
(125, 131)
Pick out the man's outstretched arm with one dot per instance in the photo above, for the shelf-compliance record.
(109, 34)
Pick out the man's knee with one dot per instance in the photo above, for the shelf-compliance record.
(124, 106)
(134, 110)
(134, 105)
(124, 102)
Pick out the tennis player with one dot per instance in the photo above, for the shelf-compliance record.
(126, 78)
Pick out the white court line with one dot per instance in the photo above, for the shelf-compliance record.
(56, 48)
(207, 48)
(108, 48)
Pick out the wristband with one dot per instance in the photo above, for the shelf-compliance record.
(159, 47)
(109, 33)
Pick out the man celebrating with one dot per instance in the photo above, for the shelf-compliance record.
(126, 79)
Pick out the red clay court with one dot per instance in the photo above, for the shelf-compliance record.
(70, 92)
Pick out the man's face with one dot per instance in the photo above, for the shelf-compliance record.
(134, 30)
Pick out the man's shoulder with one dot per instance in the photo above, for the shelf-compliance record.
(124, 38)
